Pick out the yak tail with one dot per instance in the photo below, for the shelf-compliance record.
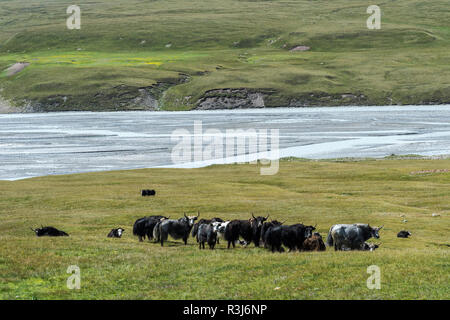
(330, 238)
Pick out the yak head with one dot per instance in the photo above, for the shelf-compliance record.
(38, 231)
(309, 231)
(258, 221)
(216, 226)
(222, 226)
(370, 246)
(191, 219)
(375, 232)
(120, 231)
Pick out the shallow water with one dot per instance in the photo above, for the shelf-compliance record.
(60, 143)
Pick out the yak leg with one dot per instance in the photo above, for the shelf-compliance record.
(162, 236)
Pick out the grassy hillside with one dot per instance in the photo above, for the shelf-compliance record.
(88, 205)
(128, 53)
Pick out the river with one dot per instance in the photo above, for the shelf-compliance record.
(61, 143)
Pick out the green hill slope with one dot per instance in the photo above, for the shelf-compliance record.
(178, 55)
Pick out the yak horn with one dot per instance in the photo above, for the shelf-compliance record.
(185, 214)
(253, 216)
(267, 216)
(381, 227)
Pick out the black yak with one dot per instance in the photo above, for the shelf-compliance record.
(143, 227)
(50, 232)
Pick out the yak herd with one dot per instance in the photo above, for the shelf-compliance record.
(273, 235)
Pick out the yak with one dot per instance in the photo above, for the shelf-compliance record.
(266, 226)
(351, 236)
(116, 233)
(291, 237)
(403, 234)
(177, 229)
(249, 230)
(49, 231)
(370, 246)
(143, 227)
(314, 243)
(203, 221)
(147, 192)
(256, 225)
(207, 233)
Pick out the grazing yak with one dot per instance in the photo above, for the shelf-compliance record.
(314, 243)
(49, 231)
(177, 229)
(147, 192)
(144, 226)
(116, 233)
(207, 233)
(403, 234)
(203, 221)
(351, 236)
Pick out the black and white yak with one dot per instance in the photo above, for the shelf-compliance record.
(116, 233)
(203, 221)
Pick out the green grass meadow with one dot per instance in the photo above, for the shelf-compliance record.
(126, 45)
(379, 192)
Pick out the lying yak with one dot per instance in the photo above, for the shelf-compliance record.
(49, 231)
(314, 243)
(116, 233)
(370, 246)
(403, 234)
